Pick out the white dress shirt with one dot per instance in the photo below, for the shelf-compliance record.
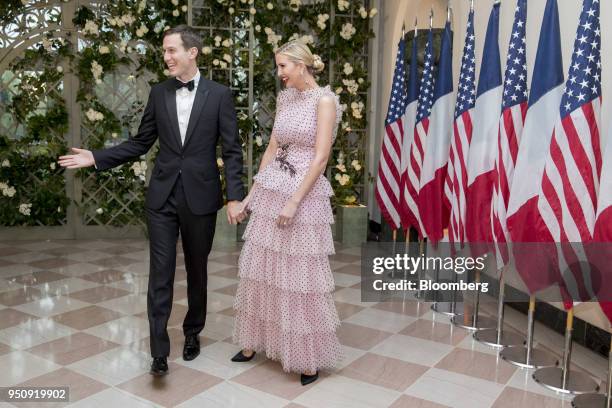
(184, 103)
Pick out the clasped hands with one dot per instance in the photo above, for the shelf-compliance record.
(237, 212)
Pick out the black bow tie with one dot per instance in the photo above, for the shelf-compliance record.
(189, 85)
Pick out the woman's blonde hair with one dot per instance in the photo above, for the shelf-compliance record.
(298, 52)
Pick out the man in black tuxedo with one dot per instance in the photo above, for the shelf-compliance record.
(188, 114)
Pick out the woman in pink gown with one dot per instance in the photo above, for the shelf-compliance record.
(284, 306)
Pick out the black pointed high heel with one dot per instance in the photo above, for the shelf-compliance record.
(241, 358)
(308, 379)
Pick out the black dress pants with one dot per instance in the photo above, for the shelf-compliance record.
(197, 232)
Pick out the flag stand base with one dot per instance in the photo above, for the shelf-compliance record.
(562, 379)
(498, 338)
(491, 338)
(528, 357)
(597, 400)
(448, 308)
(575, 383)
(517, 356)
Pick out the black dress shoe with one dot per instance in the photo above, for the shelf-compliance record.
(159, 366)
(241, 358)
(191, 349)
(307, 379)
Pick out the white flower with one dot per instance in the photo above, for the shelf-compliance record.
(268, 30)
(9, 192)
(343, 5)
(176, 13)
(338, 176)
(373, 12)
(339, 90)
(3, 185)
(128, 19)
(351, 86)
(362, 12)
(344, 179)
(25, 209)
(175, 2)
(104, 49)
(252, 10)
(166, 72)
(206, 50)
(341, 167)
(159, 26)
(219, 162)
(230, 10)
(142, 5)
(223, 64)
(184, 8)
(59, 209)
(258, 28)
(52, 166)
(60, 69)
(90, 28)
(295, 4)
(6, 163)
(94, 115)
(247, 23)
(226, 43)
(258, 141)
(348, 69)
(99, 211)
(307, 39)
(341, 157)
(356, 165)
(270, 6)
(215, 62)
(114, 135)
(321, 20)
(347, 31)
(227, 58)
(96, 69)
(360, 81)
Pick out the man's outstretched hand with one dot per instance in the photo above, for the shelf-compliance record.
(80, 158)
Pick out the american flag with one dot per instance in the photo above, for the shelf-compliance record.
(417, 151)
(388, 180)
(514, 110)
(570, 183)
(408, 207)
(456, 178)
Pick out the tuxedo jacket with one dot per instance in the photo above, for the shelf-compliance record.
(212, 117)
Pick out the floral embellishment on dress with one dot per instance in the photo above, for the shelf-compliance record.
(281, 157)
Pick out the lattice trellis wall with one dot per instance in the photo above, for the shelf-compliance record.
(88, 202)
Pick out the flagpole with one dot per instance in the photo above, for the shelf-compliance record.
(597, 400)
(497, 338)
(473, 321)
(562, 379)
(529, 357)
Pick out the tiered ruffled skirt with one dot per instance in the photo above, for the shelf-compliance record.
(284, 306)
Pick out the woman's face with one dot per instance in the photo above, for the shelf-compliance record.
(289, 72)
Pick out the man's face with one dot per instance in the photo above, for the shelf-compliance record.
(179, 60)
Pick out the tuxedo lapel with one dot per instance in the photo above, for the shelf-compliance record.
(196, 110)
(170, 96)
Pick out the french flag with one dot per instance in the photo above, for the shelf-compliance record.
(546, 92)
(433, 202)
(542, 114)
(483, 148)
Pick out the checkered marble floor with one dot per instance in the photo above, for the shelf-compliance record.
(74, 313)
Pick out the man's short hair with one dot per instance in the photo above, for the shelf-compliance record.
(189, 36)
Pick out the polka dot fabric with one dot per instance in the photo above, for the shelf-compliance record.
(284, 305)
